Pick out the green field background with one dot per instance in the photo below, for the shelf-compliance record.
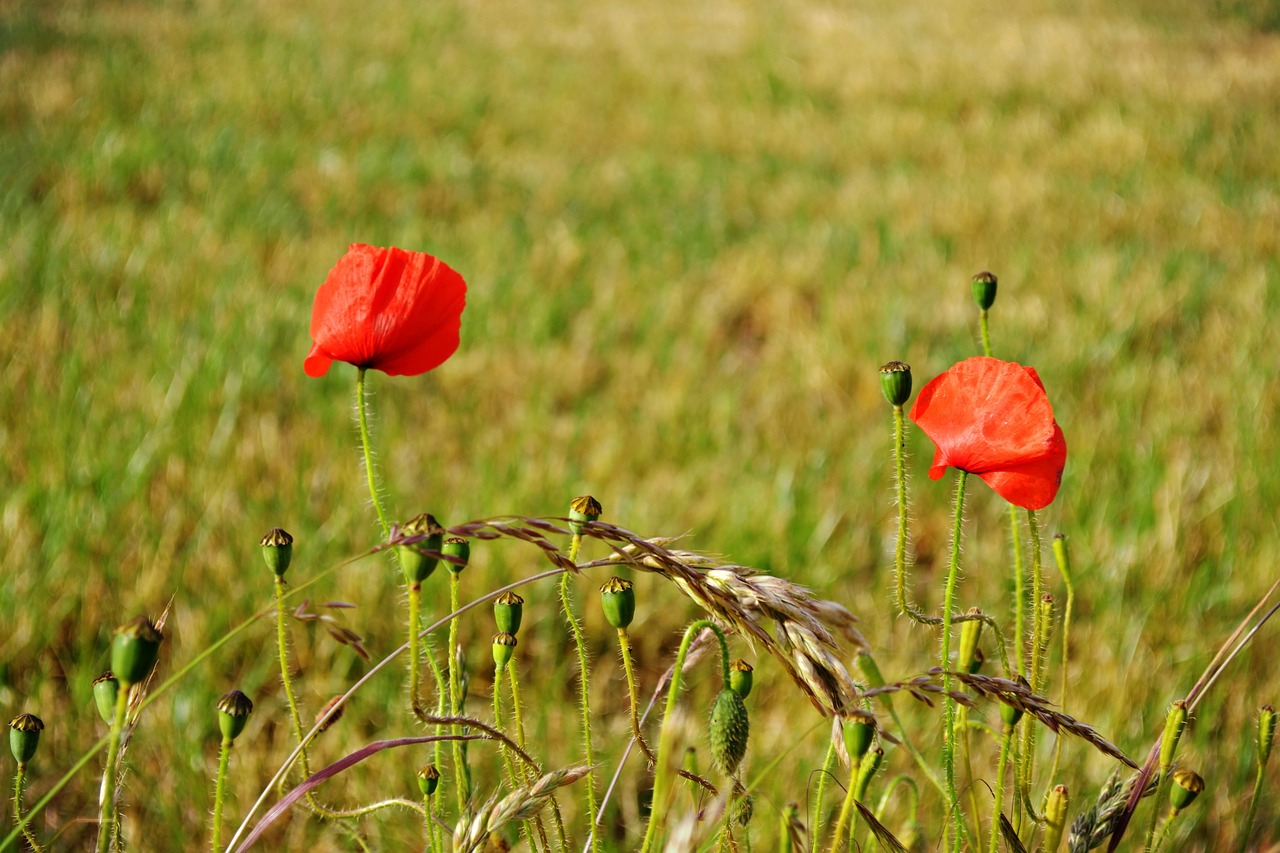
(692, 233)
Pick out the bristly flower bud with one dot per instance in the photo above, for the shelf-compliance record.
(428, 780)
(234, 709)
(1187, 785)
(134, 650)
(106, 687)
(24, 736)
(459, 549)
(1055, 816)
(859, 732)
(584, 508)
(970, 631)
(1011, 714)
(618, 599)
(1266, 733)
(730, 728)
(416, 563)
(984, 289)
(508, 610)
(741, 677)
(895, 383)
(504, 647)
(1174, 723)
(338, 711)
(870, 766)
(277, 550)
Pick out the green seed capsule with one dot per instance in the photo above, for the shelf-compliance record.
(428, 535)
(234, 709)
(134, 650)
(428, 780)
(730, 728)
(504, 647)
(508, 610)
(895, 382)
(277, 550)
(741, 676)
(106, 687)
(618, 599)
(1266, 733)
(984, 289)
(459, 549)
(859, 732)
(1187, 785)
(24, 736)
(584, 508)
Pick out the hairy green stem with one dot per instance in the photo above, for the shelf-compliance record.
(1006, 746)
(985, 328)
(19, 781)
(461, 781)
(624, 646)
(838, 839)
(584, 687)
(1035, 664)
(282, 646)
(1063, 561)
(954, 818)
(365, 445)
(106, 809)
(219, 791)
(819, 797)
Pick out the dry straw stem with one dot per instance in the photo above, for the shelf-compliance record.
(473, 830)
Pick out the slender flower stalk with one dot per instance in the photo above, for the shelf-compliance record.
(24, 737)
(819, 798)
(19, 781)
(582, 509)
(1062, 558)
(461, 782)
(106, 809)
(1038, 646)
(1009, 716)
(949, 704)
(233, 712)
(1266, 735)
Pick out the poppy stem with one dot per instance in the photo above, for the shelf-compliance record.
(949, 704)
(361, 413)
(1035, 663)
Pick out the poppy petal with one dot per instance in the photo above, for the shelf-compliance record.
(1034, 484)
(317, 363)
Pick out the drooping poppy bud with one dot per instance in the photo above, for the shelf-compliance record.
(859, 732)
(741, 676)
(1174, 722)
(1266, 733)
(106, 687)
(460, 550)
(730, 729)
(618, 600)
(895, 383)
(416, 563)
(984, 289)
(504, 647)
(234, 709)
(134, 651)
(277, 550)
(428, 780)
(1055, 816)
(386, 309)
(508, 610)
(1187, 785)
(24, 736)
(584, 508)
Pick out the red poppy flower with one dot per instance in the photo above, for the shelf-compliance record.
(992, 418)
(387, 309)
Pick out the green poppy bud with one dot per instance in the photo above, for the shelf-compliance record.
(414, 561)
(584, 508)
(618, 598)
(730, 728)
(24, 736)
(106, 687)
(508, 610)
(504, 647)
(459, 549)
(970, 631)
(895, 383)
(859, 732)
(984, 289)
(428, 780)
(1266, 733)
(741, 676)
(1187, 785)
(1055, 816)
(1174, 723)
(338, 711)
(234, 709)
(277, 550)
(134, 650)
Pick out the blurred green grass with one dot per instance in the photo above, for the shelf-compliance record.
(692, 234)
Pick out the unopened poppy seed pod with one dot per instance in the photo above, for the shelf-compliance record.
(895, 382)
(234, 709)
(134, 650)
(508, 610)
(460, 550)
(24, 736)
(859, 732)
(1187, 785)
(106, 687)
(618, 600)
(1266, 732)
(584, 508)
(414, 561)
(504, 647)
(970, 631)
(428, 780)
(277, 550)
(984, 289)
(741, 676)
(730, 728)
